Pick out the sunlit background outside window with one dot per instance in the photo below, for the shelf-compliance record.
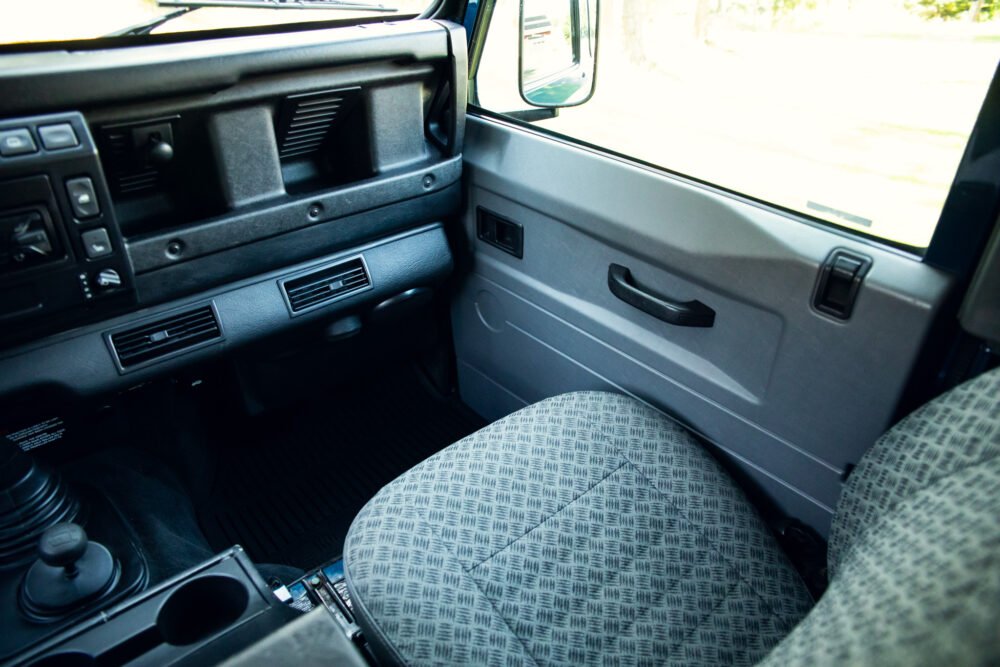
(856, 112)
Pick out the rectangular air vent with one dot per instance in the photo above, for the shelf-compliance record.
(305, 121)
(166, 336)
(326, 284)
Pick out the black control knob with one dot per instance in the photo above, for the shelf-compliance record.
(160, 152)
(71, 571)
(108, 278)
(63, 545)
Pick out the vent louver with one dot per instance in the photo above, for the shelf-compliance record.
(125, 174)
(166, 336)
(305, 121)
(125, 154)
(326, 284)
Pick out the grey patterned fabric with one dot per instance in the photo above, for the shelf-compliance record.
(585, 529)
(915, 545)
(922, 588)
(959, 429)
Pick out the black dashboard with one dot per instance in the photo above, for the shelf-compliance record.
(160, 204)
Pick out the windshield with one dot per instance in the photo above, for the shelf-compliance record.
(63, 20)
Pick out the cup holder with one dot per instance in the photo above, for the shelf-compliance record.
(200, 608)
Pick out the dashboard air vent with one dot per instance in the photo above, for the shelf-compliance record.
(326, 284)
(128, 159)
(165, 336)
(305, 121)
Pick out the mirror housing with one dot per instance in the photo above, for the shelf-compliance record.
(557, 52)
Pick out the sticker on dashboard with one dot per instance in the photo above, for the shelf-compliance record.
(37, 435)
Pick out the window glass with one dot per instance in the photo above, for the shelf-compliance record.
(850, 111)
(60, 20)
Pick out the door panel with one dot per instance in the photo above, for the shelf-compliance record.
(790, 396)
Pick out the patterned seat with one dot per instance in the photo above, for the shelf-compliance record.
(590, 529)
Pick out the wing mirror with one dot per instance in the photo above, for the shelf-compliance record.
(558, 51)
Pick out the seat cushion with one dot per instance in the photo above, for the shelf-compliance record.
(585, 529)
(920, 588)
(958, 430)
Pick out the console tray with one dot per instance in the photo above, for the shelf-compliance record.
(205, 614)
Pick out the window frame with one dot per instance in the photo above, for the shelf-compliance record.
(964, 224)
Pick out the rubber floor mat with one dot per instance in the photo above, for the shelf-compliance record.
(289, 491)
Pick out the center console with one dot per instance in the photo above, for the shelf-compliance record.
(201, 616)
(74, 577)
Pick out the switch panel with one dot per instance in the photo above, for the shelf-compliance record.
(62, 255)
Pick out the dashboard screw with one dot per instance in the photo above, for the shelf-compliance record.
(175, 248)
(428, 181)
(315, 210)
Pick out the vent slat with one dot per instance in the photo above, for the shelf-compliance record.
(171, 335)
(165, 336)
(308, 132)
(299, 152)
(306, 139)
(168, 332)
(174, 321)
(310, 103)
(326, 284)
(347, 275)
(306, 121)
(322, 113)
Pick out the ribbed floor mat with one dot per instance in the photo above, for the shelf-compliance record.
(290, 491)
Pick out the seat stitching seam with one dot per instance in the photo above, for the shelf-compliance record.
(712, 543)
(701, 621)
(475, 583)
(551, 516)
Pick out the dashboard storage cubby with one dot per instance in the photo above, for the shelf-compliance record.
(201, 616)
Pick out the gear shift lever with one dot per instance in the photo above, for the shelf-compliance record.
(62, 546)
(70, 572)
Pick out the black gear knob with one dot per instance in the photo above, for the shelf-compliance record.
(63, 545)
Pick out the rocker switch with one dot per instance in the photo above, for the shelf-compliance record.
(82, 197)
(839, 282)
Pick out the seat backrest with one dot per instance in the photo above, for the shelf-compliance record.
(914, 553)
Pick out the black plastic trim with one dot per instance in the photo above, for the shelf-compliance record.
(78, 363)
(149, 253)
(970, 211)
(265, 255)
(678, 313)
(53, 80)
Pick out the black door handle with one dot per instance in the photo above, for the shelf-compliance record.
(678, 313)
